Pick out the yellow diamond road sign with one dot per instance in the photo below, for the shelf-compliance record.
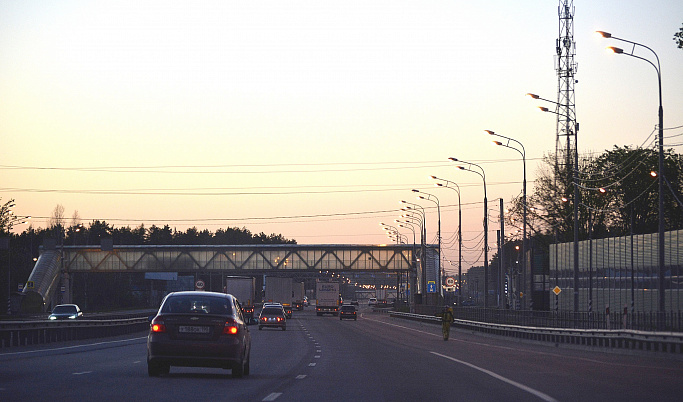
(557, 290)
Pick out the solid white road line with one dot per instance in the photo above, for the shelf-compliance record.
(501, 378)
(71, 347)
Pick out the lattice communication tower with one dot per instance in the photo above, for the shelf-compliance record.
(566, 128)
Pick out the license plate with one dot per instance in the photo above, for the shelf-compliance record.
(187, 329)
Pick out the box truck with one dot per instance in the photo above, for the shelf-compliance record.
(326, 297)
(299, 295)
(279, 290)
(244, 289)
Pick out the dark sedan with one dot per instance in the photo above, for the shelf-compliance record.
(348, 311)
(66, 312)
(199, 329)
(272, 316)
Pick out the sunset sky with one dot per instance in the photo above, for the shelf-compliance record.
(312, 119)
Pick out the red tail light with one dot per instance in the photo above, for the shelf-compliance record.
(157, 325)
(230, 328)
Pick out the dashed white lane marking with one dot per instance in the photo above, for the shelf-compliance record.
(311, 364)
(301, 376)
(82, 372)
(523, 387)
(316, 357)
(272, 396)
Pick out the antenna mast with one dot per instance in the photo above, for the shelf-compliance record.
(566, 67)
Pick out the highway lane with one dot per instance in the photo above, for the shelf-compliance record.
(376, 358)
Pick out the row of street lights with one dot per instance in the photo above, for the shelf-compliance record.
(519, 147)
(411, 220)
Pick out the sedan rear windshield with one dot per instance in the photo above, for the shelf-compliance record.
(272, 311)
(197, 305)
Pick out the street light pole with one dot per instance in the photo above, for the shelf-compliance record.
(575, 180)
(392, 230)
(524, 208)
(413, 262)
(486, 226)
(662, 267)
(457, 190)
(423, 245)
(438, 231)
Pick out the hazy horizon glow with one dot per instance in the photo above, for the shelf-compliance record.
(308, 119)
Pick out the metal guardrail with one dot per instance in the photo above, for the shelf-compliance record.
(23, 333)
(666, 342)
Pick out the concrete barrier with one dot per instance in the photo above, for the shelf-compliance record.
(23, 333)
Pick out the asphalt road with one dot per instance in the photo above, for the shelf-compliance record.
(375, 358)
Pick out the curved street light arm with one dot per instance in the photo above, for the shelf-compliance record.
(415, 205)
(486, 225)
(507, 145)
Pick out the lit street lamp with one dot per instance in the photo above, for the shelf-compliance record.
(616, 50)
(423, 238)
(524, 210)
(438, 212)
(575, 180)
(393, 233)
(486, 226)
(457, 190)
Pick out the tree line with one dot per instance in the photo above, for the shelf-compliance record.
(20, 251)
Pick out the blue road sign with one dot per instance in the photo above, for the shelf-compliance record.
(431, 287)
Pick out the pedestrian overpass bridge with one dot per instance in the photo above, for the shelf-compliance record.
(55, 267)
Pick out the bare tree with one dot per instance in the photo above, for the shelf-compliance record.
(57, 218)
(75, 219)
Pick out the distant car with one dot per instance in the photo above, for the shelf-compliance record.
(372, 301)
(199, 329)
(272, 316)
(348, 311)
(248, 312)
(66, 312)
(305, 301)
(288, 309)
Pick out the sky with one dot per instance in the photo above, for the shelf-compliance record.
(310, 119)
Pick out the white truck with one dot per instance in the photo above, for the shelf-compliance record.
(381, 296)
(279, 290)
(244, 289)
(326, 297)
(299, 294)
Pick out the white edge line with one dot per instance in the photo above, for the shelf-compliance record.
(70, 347)
(272, 396)
(500, 377)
